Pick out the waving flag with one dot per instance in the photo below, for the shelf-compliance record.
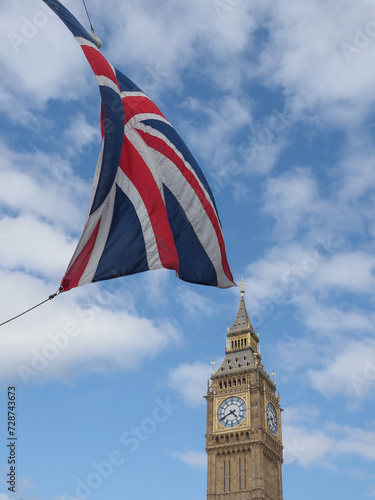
(151, 205)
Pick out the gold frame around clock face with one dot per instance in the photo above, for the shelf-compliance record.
(231, 412)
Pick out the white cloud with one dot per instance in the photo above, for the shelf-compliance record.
(192, 458)
(304, 55)
(38, 52)
(82, 136)
(190, 25)
(347, 271)
(351, 372)
(48, 249)
(353, 441)
(190, 380)
(309, 446)
(291, 198)
(31, 184)
(305, 447)
(195, 304)
(63, 339)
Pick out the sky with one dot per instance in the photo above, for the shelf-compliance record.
(276, 102)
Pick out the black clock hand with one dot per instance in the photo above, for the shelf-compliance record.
(225, 416)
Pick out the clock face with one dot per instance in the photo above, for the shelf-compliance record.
(231, 411)
(272, 419)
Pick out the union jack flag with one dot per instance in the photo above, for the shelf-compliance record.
(151, 206)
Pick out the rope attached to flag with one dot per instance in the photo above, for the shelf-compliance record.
(61, 289)
(97, 40)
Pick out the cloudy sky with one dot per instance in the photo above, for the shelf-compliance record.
(276, 101)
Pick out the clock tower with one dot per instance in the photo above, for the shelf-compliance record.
(243, 439)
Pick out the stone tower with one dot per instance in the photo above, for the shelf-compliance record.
(243, 439)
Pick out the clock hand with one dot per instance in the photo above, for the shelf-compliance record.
(232, 412)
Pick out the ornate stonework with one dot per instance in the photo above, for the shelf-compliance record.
(243, 439)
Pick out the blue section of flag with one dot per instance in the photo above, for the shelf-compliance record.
(113, 121)
(126, 85)
(194, 262)
(68, 19)
(125, 251)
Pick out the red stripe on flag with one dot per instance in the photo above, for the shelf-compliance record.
(134, 167)
(134, 105)
(163, 148)
(76, 270)
(99, 63)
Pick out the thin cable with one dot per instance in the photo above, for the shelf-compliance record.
(44, 301)
(88, 16)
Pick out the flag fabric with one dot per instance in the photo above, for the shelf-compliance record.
(151, 206)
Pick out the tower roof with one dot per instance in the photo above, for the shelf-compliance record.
(242, 349)
(242, 322)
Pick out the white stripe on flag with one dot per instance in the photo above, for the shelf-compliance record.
(134, 121)
(84, 41)
(150, 130)
(195, 213)
(152, 253)
(104, 81)
(146, 153)
(105, 211)
(125, 94)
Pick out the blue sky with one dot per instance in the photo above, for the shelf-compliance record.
(276, 102)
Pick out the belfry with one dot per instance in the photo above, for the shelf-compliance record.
(243, 436)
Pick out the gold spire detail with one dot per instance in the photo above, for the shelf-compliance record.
(242, 286)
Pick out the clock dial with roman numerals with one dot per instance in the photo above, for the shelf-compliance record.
(231, 412)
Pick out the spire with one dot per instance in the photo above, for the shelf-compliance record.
(242, 352)
(242, 322)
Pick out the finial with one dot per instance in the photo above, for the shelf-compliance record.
(273, 375)
(242, 286)
(213, 366)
